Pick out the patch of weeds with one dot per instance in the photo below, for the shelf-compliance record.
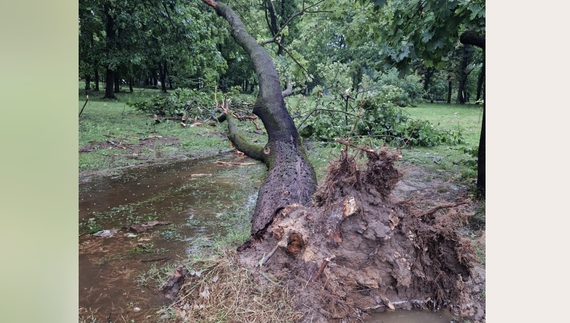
(88, 319)
(155, 275)
(143, 248)
(90, 226)
(171, 235)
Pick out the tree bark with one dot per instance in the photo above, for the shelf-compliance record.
(97, 77)
(480, 81)
(87, 82)
(291, 178)
(427, 78)
(117, 82)
(449, 88)
(472, 38)
(109, 77)
(110, 36)
(162, 74)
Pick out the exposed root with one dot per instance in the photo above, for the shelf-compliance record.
(358, 249)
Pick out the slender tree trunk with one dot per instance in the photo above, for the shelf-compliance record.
(131, 81)
(110, 35)
(97, 78)
(162, 74)
(480, 80)
(466, 56)
(461, 91)
(87, 82)
(117, 82)
(110, 76)
(472, 38)
(449, 88)
(427, 79)
(291, 178)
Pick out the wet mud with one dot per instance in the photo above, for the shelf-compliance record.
(136, 223)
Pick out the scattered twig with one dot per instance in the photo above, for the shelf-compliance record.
(153, 260)
(223, 163)
(265, 258)
(321, 269)
(87, 100)
(346, 143)
(442, 206)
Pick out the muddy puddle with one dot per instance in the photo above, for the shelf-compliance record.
(413, 316)
(136, 225)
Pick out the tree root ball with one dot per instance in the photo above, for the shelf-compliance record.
(358, 249)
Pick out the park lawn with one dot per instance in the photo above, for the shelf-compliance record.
(113, 134)
(454, 117)
(453, 162)
(103, 122)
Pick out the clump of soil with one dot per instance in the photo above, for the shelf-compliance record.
(358, 249)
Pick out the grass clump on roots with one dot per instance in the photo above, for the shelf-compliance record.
(217, 288)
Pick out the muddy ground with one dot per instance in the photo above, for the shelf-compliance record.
(369, 243)
(377, 238)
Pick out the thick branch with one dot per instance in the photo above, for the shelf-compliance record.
(243, 145)
(471, 37)
(289, 90)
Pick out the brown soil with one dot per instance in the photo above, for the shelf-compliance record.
(362, 248)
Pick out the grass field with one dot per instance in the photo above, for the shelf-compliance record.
(104, 121)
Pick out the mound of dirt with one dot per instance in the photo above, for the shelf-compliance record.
(359, 249)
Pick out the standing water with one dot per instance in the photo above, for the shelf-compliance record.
(136, 226)
(413, 316)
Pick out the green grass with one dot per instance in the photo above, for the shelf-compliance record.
(108, 120)
(454, 117)
(105, 120)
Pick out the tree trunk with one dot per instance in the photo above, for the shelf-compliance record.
(110, 76)
(427, 79)
(480, 80)
(117, 82)
(162, 74)
(472, 38)
(87, 82)
(96, 77)
(110, 35)
(466, 55)
(291, 178)
(461, 91)
(449, 87)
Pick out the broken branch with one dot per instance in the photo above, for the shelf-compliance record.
(86, 100)
(321, 269)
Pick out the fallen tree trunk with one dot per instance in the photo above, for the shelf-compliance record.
(291, 178)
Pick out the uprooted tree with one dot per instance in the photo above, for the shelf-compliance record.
(349, 247)
(291, 178)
